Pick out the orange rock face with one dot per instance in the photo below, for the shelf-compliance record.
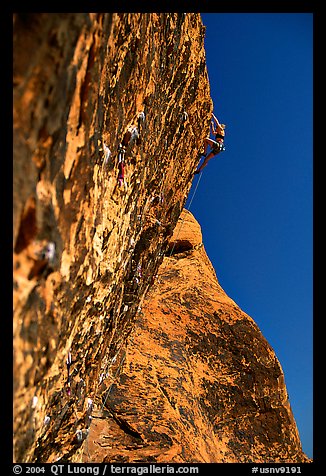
(86, 245)
(111, 361)
(197, 381)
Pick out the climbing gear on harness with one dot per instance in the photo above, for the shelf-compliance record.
(218, 147)
(121, 153)
(68, 363)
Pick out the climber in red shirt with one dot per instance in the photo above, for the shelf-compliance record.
(217, 145)
(121, 175)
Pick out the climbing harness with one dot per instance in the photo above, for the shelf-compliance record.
(121, 165)
(219, 148)
(121, 153)
(68, 361)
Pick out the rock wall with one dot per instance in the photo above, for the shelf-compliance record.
(87, 250)
(198, 381)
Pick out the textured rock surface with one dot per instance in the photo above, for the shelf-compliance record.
(86, 79)
(188, 377)
(198, 381)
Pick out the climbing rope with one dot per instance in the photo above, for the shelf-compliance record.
(193, 196)
(123, 358)
(189, 206)
(121, 156)
(114, 376)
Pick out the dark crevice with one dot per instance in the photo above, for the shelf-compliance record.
(179, 246)
(28, 227)
(125, 426)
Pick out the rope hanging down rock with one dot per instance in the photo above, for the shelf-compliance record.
(189, 206)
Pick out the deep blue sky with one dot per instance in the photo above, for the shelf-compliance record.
(254, 201)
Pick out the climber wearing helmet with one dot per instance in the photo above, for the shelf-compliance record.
(217, 145)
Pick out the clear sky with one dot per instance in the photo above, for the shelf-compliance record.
(254, 201)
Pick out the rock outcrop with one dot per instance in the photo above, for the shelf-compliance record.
(96, 332)
(85, 248)
(198, 381)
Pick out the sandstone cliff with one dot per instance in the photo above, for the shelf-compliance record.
(198, 382)
(87, 249)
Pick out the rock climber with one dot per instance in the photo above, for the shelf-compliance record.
(217, 145)
(121, 153)
(68, 364)
(141, 119)
(44, 261)
(131, 136)
(128, 138)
